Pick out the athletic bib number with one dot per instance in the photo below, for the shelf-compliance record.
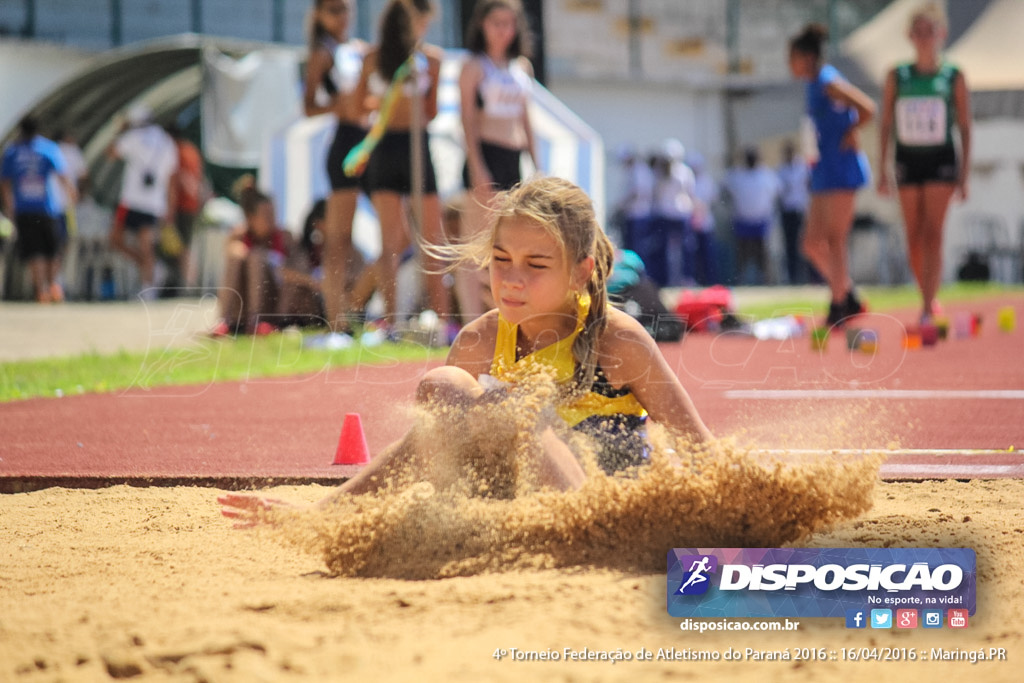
(921, 121)
(32, 188)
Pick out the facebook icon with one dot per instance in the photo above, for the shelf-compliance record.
(856, 618)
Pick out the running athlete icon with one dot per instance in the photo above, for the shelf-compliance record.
(697, 570)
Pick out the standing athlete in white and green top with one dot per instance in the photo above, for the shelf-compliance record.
(927, 105)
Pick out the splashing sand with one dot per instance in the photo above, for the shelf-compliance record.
(483, 511)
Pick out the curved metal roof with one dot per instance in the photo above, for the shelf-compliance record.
(164, 73)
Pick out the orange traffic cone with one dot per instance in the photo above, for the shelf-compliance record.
(352, 448)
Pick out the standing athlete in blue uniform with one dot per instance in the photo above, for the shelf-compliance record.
(838, 110)
(29, 197)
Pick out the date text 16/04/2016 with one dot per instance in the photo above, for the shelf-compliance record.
(846, 654)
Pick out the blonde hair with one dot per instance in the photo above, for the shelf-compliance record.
(567, 213)
(931, 11)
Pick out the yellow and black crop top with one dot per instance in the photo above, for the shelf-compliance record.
(602, 399)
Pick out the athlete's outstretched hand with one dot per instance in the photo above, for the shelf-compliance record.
(248, 510)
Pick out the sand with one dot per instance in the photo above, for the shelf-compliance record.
(153, 584)
(425, 583)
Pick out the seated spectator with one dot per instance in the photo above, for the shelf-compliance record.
(630, 289)
(301, 301)
(255, 271)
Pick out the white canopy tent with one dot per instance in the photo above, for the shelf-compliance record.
(985, 44)
(880, 43)
(991, 51)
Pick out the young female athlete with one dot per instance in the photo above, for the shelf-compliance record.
(928, 101)
(332, 73)
(403, 62)
(549, 263)
(495, 87)
(838, 110)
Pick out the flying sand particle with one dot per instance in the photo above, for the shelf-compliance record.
(488, 515)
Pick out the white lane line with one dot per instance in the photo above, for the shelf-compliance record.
(897, 452)
(949, 471)
(903, 394)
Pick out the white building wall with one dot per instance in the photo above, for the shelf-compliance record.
(28, 71)
(992, 218)
(641, 116)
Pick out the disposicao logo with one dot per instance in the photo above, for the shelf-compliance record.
(696, 579)
(818, 582)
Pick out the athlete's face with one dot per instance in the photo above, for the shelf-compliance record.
(801, 64)
(333, 16)
(421, 23)
(530, 276)
(499, 28)
(927, 35)
(262, 221)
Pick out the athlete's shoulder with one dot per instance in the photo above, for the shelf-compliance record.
(433, 53)
(623, 331)
(473, 348)
(484, 325)
(525, 64)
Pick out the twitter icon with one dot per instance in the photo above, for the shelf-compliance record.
(881, 618)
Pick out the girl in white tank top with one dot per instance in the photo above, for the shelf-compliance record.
(503, 92)
(495, 88)
(332, 74)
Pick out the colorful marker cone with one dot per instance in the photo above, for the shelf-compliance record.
(1006, 319)
(352, 448)
(868, 342)
(819, 338)
(912, 338)
(852, 338)
(962, 325)
(929, 334)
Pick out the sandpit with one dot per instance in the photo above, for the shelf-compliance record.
(153, 584)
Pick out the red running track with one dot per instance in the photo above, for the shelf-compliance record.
(949, 411)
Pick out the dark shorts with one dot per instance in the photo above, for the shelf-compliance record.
(346, 137)
(37, 236)
(756, 230)
(620, 440)
(917, 167)
(135, 220)
(390, 166)
(185, 222)
(502, 163)
(61, 223)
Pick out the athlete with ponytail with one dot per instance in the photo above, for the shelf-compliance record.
(549, 263)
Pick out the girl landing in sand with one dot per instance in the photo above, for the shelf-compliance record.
(549, 263)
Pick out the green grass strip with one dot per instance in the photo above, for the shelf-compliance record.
(278, 355)
(206, 361)
(879, 299)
